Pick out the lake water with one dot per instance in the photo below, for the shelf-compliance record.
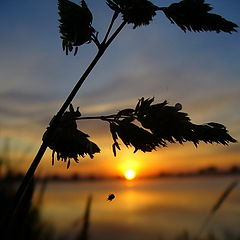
(153, 209)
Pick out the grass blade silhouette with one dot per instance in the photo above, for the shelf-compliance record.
(217, 206)
(223, 197)
(83, 234)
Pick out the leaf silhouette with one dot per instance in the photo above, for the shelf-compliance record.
(132, 135)
(75, 24)
(68, 142)
(211, 133)
(223, 196)
(168, 123)
(216, 207)
(193, 15)
(137, 12)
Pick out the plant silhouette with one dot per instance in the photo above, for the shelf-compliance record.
(160, 123)
(27, 222)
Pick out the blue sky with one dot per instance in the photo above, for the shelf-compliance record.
(199, 70)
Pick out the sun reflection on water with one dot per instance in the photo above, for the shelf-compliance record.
(146, 205)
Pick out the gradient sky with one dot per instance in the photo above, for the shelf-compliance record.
(199, 70)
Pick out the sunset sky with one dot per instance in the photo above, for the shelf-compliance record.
(199, 70)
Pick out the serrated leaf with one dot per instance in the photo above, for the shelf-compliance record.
(136, 12)
(193, 15)
(75, 25)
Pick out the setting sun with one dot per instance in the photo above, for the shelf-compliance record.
(130, 174)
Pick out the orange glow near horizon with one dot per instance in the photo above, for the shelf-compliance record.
(130, 174)
(174, 159)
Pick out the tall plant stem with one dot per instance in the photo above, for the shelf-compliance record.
(30, 173)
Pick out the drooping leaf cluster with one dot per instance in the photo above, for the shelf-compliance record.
(193, 15)
(136, 12)
(75, 24)
(145, 128)
(155, 125)
(68, 142)
(149, 125)
(132, 135)
(190, 15)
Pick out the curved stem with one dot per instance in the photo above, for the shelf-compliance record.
(30, 173)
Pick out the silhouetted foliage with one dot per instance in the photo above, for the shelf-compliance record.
(84, 232)
(68, 142)
(75, 24)
(26, 223)
(166, 124)
(193, 15)
(137, 12)
(216, 207)
(149, 126)
(132, 135)
(169, 124)
(159, 123)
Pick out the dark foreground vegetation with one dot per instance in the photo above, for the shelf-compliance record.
(28, 223)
